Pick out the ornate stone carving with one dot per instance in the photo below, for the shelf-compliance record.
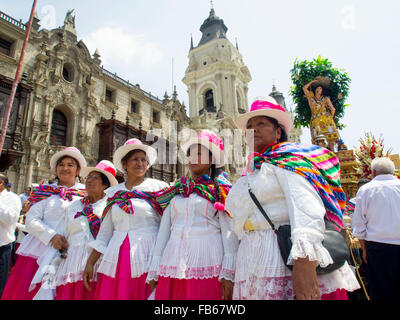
(65, 95)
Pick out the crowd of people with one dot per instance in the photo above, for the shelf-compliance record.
(200, 238)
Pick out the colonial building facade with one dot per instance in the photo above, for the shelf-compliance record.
(66, 98)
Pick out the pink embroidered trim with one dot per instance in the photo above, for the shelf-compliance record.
(190, 273)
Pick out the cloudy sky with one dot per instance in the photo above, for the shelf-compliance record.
(147, 42)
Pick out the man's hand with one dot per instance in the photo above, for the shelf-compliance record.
(364, 250)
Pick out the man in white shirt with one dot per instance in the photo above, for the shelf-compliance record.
(376, 223)
(10, 207)
(24, 196)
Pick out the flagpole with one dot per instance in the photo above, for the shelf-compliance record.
(15, 83)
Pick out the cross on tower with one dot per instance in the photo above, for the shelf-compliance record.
(212, 4)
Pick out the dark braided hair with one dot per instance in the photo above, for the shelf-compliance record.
(105, 180)
(214, 177)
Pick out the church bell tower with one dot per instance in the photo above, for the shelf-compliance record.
(217, 78)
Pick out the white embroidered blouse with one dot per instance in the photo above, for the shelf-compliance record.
(288, 198)
(141, 228)
(44, 220)
(78, 236)
(194, 241)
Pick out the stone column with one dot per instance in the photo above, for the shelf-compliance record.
(218, 97)
(193, 106)
(31, 160)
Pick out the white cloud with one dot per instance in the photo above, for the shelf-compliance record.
(118, 45)
(349, 17)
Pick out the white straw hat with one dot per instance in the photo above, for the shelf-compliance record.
(212, 142)
(133, 144)
(266, 106)
(105, 167)
(70, 152)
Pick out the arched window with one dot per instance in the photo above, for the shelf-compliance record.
(68, 72)
(58, 133)
(209, 101)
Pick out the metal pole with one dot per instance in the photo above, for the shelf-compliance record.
(15, 83)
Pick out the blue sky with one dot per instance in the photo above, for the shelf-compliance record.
(139, 39)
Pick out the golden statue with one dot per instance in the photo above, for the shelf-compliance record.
(322, 112)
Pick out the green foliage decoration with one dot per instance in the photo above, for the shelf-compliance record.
(302, 73)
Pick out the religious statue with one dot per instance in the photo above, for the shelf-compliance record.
(69, 19)
(322, 111)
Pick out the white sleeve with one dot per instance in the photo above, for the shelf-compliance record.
(359, 219)
(231, 243)
(162, 239)
(306, 215)
(240, 206)
(21, 227)
(103, 237)
(35, 224)
(9, 211)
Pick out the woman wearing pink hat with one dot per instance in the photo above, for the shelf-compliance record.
(129, 229)
(45, 223)
(296, 185)
(83, 224)
(194, 256)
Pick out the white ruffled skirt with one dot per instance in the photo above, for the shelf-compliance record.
(196, 257)
(71, 269)
(261, 273)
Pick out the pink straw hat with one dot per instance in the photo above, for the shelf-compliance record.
(266, 106)
(133, 144)
(212, 142)
(105, 167)
(70, 152)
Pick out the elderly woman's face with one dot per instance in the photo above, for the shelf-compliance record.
(261, 132)
(137, 164)
(94, 183)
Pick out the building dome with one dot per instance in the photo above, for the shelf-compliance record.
(212, 28)
(278, 96)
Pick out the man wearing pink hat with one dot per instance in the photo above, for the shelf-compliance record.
(45, 223)
(129, 229)
(296, 185)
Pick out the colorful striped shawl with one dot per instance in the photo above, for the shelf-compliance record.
(318, 165)
(350, 207)
(159, 200)
(123, 199)
(44, 191)
(202, 186)
(94, 221)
